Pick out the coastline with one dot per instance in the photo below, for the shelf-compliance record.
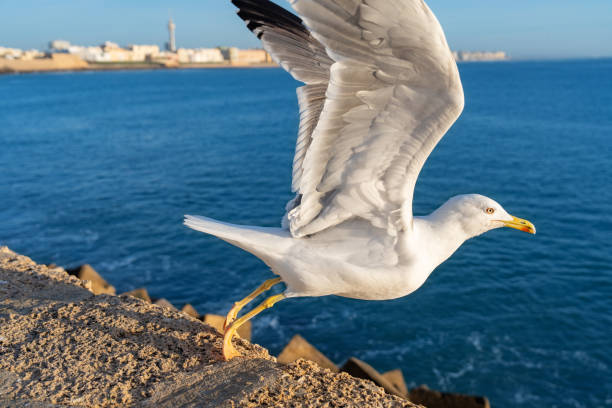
(8, 67)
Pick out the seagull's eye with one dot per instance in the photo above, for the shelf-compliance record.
(490, 210)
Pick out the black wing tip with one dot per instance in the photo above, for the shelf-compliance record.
(265, 12)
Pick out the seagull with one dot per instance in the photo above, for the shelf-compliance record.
(381, 88)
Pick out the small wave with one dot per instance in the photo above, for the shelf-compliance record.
(269, 323)
(166, 263)
(475, 339)
(397, 353)
(522, 396)
(116, 264)
(87, 236)
(589, 361)
(445, 379)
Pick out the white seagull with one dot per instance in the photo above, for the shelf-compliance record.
(381, 89)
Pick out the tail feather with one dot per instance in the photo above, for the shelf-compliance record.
(264, 243)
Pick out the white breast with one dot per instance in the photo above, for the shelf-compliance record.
(351, 261)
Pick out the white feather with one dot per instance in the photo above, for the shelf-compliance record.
(394, 68)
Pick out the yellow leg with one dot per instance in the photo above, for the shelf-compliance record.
(228, 349)
(231, 316)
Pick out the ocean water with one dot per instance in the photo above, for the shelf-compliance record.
(100, 167)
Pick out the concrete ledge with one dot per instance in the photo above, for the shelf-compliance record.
(62, 345)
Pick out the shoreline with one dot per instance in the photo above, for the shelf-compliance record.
(8, 69)
(48, 66)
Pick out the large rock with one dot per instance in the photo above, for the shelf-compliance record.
(98, 285)
(361, 369)
(436, 399)
(217, 322)
(164, 303)
(396, 378)
(190, 311)
(298, 348)
(140, 293)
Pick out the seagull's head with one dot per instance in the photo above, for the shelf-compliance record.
(477, 214)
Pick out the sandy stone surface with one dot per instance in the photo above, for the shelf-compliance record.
(60, 345)
(305, 384)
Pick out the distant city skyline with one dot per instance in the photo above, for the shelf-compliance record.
(523, 28)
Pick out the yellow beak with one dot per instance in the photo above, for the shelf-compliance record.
(520, 224)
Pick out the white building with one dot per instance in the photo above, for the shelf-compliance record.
(18, 54)
(89, 54)
(109, 45)
(171, 45)
(112, 52)
(10, 53)
(199, 55)
(143, 52)
(59, 45)
(31, 54)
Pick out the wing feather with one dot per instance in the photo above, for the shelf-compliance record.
(290, 44)
(394, 91)
(381, 89)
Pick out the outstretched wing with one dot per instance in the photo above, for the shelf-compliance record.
(393, 93)
(382, 88)
(290, 44)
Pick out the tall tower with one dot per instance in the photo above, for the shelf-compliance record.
(171, 45)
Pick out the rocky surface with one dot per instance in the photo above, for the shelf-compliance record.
(62, 345)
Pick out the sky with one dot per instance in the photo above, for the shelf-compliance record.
(523, 28)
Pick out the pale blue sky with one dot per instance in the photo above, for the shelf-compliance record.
(524, 28)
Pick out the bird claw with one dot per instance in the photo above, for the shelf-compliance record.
(228, 354)
(229, 351)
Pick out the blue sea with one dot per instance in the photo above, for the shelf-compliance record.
(99, 168)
